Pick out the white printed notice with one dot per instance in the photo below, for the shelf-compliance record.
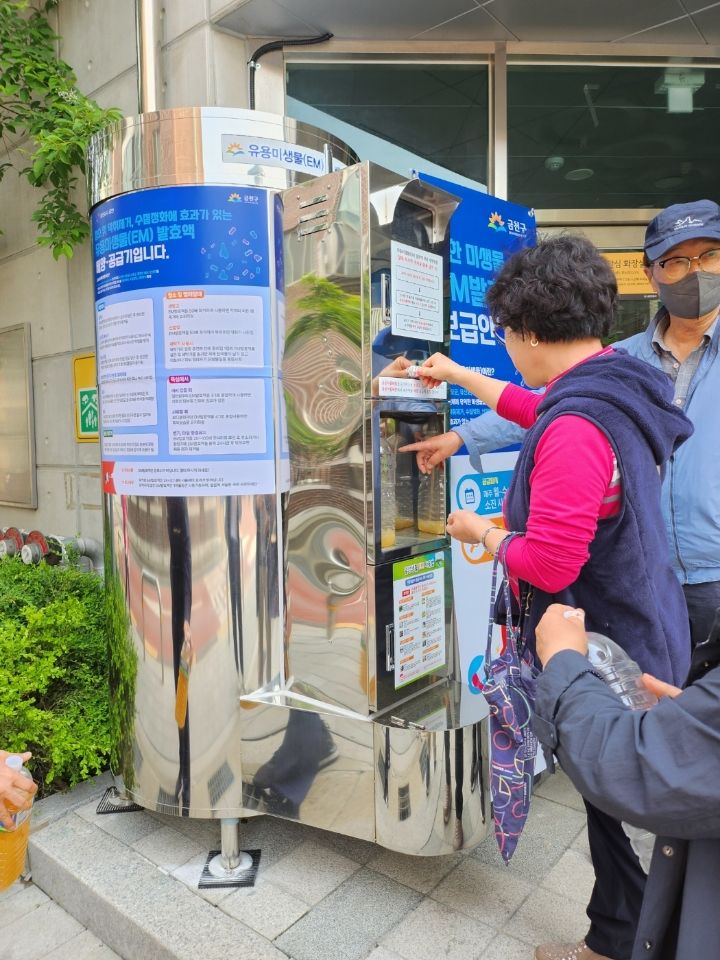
(130, 402)
(399, 387)
(417, 293)
(419, 616)
(211, 417)
(212, 330)
(125, 340)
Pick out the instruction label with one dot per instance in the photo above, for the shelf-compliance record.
(419, 616)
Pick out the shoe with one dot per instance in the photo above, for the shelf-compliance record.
(567, 951)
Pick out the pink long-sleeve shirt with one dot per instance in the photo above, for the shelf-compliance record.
(574, 484)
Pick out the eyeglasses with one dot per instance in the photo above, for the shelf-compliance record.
(675, 268)
(499, 333)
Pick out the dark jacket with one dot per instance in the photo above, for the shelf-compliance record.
(658, 769)
(627, 587)
(691, 510)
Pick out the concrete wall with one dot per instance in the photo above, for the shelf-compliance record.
(201, 66)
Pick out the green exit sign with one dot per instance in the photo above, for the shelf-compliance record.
(88, 412)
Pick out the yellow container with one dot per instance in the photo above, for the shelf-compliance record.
(13, 847)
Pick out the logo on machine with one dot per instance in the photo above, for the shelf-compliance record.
(474, 676)
(234, 198)
(496, 222)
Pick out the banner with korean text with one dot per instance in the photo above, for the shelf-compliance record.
(484, 232)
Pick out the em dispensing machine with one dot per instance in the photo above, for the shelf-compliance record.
(289, 650)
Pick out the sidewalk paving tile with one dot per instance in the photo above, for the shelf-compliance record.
(25, 897)
(167, 848)
(50, 927)
(266, 908)
(126, 827)
(349, 922)
(547, 917)
(507, 948)
(381, 953)
(488, 894)
(355, 849)
(572, 877)
(85, 946)
(138, 910)
(434, 929)
(549, 831)
(421, 873)
(189, 874)
(558, 787)
(311, 871)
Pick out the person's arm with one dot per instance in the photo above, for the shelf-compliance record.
(573, 468)
(438, 369)
(486, 433)
(658, 769)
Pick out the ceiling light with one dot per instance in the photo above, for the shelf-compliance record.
(579, 173)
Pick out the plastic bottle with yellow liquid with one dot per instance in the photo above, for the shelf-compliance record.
(13, 842)
(432, 509)
(388, 506)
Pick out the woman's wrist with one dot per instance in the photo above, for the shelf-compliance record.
(493, 548)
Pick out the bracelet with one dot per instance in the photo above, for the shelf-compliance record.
(484, 545)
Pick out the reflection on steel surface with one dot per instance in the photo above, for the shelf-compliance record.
(195, 591)
(414, 780)
(251, 637)
(165, 148)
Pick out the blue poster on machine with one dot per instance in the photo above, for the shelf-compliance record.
(184, 281)
(484, 232)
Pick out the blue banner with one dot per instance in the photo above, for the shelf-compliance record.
(484, 232)
(181, 235)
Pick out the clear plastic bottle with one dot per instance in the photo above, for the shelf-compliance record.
(388, 508)
(404, 484)
(432, 509)
(623, 675)
(619, 671)
(13, 842)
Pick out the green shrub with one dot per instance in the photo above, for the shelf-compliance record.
(53, 671)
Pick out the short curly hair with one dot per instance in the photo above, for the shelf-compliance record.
(561, 290)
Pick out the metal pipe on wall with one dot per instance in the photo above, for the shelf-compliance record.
(148, 32)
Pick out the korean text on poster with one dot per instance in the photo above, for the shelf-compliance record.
(419, 616)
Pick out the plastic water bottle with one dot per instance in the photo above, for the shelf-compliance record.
(623, 675)
(388, 507)
(432, 508)
(619, 671)
(13, 841)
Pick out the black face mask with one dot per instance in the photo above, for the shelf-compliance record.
(694, 296)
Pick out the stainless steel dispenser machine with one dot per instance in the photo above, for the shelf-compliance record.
(278, 572)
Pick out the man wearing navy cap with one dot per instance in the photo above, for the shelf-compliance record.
(682, 262)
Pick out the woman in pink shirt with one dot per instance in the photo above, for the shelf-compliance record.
(583, 505)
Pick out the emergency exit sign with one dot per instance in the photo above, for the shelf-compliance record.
(86, 399)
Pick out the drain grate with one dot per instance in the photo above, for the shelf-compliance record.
(243, 878)
(112, 802)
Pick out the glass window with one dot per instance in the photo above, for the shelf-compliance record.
(437, 112)
(591, 136)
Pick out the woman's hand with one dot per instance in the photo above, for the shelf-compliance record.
(434, 450)
(397, 368)
(438, 369)
(467, 526)
(561, 628)
(659, 687)
(16, 790)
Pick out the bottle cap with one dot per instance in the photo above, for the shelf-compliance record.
(14, 761)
